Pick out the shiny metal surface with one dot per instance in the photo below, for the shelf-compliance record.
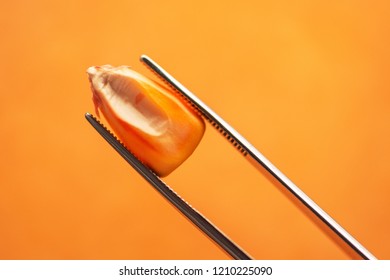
(198, 219)
(256, 158)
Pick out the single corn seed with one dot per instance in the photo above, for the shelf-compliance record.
(154, 124)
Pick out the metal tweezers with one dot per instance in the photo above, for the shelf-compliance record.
(245, 148)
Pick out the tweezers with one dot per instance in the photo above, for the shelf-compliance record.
(245, 148)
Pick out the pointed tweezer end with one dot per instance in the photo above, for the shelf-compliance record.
(199, 220)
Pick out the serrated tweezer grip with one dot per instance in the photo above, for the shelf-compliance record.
(198, 219)
(256, 158)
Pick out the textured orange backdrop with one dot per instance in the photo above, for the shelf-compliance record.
(307, 83)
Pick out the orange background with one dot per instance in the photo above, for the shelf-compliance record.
(307, 83)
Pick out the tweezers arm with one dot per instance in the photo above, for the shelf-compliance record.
(255, 157)
(198, 219)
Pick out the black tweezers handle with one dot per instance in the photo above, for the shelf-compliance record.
(198, 219)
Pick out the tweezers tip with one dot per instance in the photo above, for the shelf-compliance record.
(144, 58)
(88, 116)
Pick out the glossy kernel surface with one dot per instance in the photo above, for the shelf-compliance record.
(155, 124)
